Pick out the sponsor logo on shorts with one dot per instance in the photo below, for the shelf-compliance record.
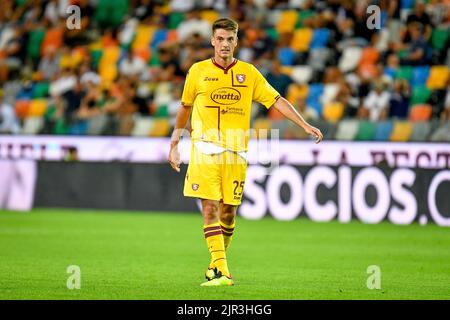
(195, 186)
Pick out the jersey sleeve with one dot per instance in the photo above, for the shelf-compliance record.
(263, 92)
(189, 91)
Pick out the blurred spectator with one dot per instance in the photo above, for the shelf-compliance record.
(418, 51)
(132, 65)
(49, 64)
(193, 24)
(399, 100)
(348, 99)
(277, 79)
(377, 102)
(419, 15)
(8, 120)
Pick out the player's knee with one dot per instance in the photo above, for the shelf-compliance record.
(210, 210)
(228, 216)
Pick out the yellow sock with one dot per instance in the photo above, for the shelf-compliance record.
(227, 231)
(214, 240)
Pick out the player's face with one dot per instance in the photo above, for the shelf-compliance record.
(224, 43)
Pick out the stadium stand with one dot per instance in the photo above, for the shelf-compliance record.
(117, 73)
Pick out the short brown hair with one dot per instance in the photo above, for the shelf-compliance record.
(225, 23)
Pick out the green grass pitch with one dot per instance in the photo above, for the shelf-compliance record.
(136, 255)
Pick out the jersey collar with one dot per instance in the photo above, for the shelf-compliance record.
(225, 70)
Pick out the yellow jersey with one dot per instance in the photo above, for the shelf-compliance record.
(221, 100)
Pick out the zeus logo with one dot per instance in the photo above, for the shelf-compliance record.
(210, 79)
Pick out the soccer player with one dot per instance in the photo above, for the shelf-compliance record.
(218, 92)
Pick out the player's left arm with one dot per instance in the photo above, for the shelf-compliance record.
(287, 110)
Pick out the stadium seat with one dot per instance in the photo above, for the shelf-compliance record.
(315, 104)
(369, 55)
(53, 38)
(40, 90)
(439, 38)
(318, 58)
(404, 72)
(302, 16)
(320, 38)
(442, 133)
(390, 72)
(142, 126)
(22, 108)
(333, 111)
(420, 94)
(383, 131)
(296, 91)
(301, 39)
(438, 77)
(421, 131)
(367, 71)
(420, 112)
(143, 53)
(287, 21)
(366, 131)
(401, 131)
(38, 107)
(350, 59)
(79, 128)
(407, 4)
(329, 94)
(209, 15)
(420, 75)
(144, 36)
(315, 90)
(159, 36)
(301, 74)
(32, 125)
(272, 33)
(175, 18)
(286, 56)
(34, 43)
(160, 128)
(347, 129)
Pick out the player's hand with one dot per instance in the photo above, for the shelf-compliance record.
(315, 132)
(174, 158)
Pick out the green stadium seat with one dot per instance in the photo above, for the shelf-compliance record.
(272, 33)
(439, 38)
(405, 72)
(302, 16)
(366, 131)
(34, 43)
(420, 94)
(175, 18)
(40, 90)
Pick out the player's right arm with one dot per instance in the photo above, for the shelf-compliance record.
(182, 118)
(187, 101)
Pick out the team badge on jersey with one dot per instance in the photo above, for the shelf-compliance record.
(240, 78)
(195, 186)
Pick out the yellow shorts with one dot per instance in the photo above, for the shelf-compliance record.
(216, 176)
